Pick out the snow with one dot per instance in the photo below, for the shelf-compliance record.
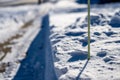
(16, 2)
(69, 41)
(39, 59)
(19, 27)
(35, 48)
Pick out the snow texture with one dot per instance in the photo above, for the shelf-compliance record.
(38, 46)
(69, 41)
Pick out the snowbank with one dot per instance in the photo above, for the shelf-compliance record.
(69, 42)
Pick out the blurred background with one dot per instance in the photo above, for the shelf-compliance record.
(16, 2)
(98, 1)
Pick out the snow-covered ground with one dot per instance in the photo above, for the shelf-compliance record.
(17, 30)
(19, 27)
(69, 39)
(16, 2)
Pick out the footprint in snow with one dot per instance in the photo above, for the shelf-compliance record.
(102, 54)
(74, 33)
(85, 42)
(97, 33)
(109, 33)
(78, 55)
(115, 21)
(117, 41)
(108, 59)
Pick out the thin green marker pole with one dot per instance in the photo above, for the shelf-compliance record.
(88, 29)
